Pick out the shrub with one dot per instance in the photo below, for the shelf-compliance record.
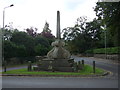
(89, 52)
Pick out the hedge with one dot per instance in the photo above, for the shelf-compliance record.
(112, 50)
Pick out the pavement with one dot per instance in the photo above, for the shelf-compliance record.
(14, 68)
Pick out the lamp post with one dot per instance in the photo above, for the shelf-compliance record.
(4, 14)
(105, 44)
(105, 40)
(3, 34)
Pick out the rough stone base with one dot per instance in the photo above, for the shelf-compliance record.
(61, 69)
(64, 69)
(63, 65)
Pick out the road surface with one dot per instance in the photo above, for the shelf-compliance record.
(58, 82)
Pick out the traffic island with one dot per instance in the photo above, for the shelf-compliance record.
(87, 71)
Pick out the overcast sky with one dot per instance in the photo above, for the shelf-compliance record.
(34, 13)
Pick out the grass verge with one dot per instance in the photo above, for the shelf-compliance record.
(88, 70)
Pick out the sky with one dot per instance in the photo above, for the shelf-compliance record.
(34, 13)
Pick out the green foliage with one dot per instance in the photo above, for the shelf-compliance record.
(42, 40)
(21, 51)
(22, 38)
(7, 34)
(40, 50)
(89, 51)
(42, 45)
(89, 69)
(83, 36)
(13, 50)
(9, 49)
(112, 50)
(23, 44)
(108, 13)
(93, 34)
(99, 51)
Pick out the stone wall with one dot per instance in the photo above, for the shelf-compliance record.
(19, 60)
(111, 57)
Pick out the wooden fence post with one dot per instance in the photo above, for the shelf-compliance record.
(83, 62)
(5, 67)
(29, 66)
(93, 66)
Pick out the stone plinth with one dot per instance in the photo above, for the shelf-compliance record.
(63, 65)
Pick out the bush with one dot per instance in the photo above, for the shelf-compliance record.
(89, 52)
(113, 50)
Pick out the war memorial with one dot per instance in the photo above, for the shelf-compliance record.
(58, 59)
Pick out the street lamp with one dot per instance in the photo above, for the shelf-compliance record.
(4, 14)
(3, 35)
(105, 42)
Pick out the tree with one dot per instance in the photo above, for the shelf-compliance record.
(41, 50)
(12, 50)
(26, 44)
(93, 28)
(22, 38)
(32, 31)
(9, 49)
(7, 34)
(41, 40)
(47, 33)
(79, 37)
(21, 51)
(108, 13)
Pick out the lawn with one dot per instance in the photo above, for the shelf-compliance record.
(88, 70)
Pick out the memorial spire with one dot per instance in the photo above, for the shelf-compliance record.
(58, 25)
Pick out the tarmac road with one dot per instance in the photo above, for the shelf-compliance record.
(110, 81)
(58, 82)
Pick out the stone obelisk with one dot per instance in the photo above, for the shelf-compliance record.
(58, 25)
(58, 52)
